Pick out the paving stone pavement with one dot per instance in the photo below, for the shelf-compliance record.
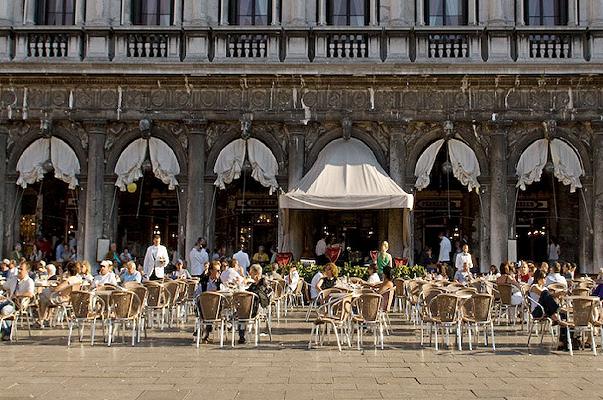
(167, 365)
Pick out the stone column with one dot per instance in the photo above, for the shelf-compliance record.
(572, 13)
(512, 193)
(484, 226)
(29, 14)
(596, 13)
(81, 216)
(420, 13)
(177, 13)
(397, 157)
(597, 194)
(402, 13)
(98, 13)
(472, 12)
(95, 187)
(521, 21)
(4, 206)
(210, 213)
(294, 12)
(322, 12)
(296, 151)
(182, 193)
(275, 14)
(6, 13)
(195, 13)
(499, 223)
(585, 251)
(224, 12)
(195, 199)
(80, 12)
(373, 21)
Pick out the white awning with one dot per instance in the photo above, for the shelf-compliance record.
(64, 160)
(163, 159)
(568, 167)
(230, 163)
(465, 166)
(346, 176)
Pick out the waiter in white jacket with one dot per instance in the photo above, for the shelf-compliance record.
(463, 258)
(155, 260)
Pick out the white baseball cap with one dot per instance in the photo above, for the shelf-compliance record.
(6, 261)
(106, 263)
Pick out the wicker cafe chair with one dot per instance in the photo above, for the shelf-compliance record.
(581, 318)
(21, 308)
(426, 313)
(598, 324)
(243, 305)
(296, 297)
(334, 313)
(413, 293)
(172, 289)
(543, 321)
(400, 295)
(386, 306)
(505, 306)
(478, 311)
(368, 306)
(209, 306)
(141, 292)
(84, 308)
(125, 307)
(279, 298)
(24, 309)
(320, 299)
(580, 292)
(189, 298)
(131, 285)
(448, 316)
(157, 300)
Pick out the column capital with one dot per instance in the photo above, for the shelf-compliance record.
(95, 126)
(196, 126)
(296, 129)
(598, 126)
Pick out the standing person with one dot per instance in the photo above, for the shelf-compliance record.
(242, 258)
(383, 258)
(60, 251)
(554, 251)
(462, 258)
(198, 258)
(321, 249)
(17, 254)
(155, 260)
(261, 257)
(445, 249)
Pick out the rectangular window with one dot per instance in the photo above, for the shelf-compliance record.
(55, 12)
(348, 12)
(446, 12)
(250, 12)
(152, 12)
(546, 12)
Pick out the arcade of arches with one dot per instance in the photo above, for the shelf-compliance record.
(176, 197)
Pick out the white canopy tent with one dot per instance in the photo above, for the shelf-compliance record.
(229, 163)
(64, 161)
(345, 176)
(465, 166)
(567, 163)
(163, 160)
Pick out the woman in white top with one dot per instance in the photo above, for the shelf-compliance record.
(506, 278)
(292, 279)
(373, 278)
(52, 295)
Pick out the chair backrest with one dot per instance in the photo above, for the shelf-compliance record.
(278, 288)
(557, 286)
(172, 288)
(505, 290)
(300, 286)
(107, 286)
(181, 291)
(191, 286)
(481, 306)
(243, 304)
(413, 290)
(356, 280)
(122, 303)
(131, 285)
(340, 307)
(466, 291)
(81, 303)
(155, 294)
(210, 305)
(583, 312)
(141, 292)
(368, 305)
(447, 307)
(400, 285)
(325, 294)
(428, 294)
(580, 291)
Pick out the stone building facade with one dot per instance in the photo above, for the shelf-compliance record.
(398, 81)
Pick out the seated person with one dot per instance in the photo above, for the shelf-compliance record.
(210, 282)
(274, 274)
(463, 276)
(506, 278)
(373, 277)
(85, 272)
(232, 274)
(442, 272)
(260, 287)
(17, 287)
(260, 257)
(313, 289)
(549, 304)
(130, 274)
(105, 275)
(536, 289)
(180, 272)
(384, 287)
(554, 276)
(598, 290)
(292, 279)
(56, 295)
(329, 280)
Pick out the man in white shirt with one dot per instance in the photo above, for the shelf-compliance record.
(554, 251)
(105, 275)
(17, 287)
(555, 276)
(313, 289)
(230, 275)
(463, 258)
(445, 249)
(320, 250)
(197, 258)
(155, 260)
(243, 259)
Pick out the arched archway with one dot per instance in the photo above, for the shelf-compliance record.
(245, 201)
(549, 201)
(147, 195)
(447, 200)
(48, 175)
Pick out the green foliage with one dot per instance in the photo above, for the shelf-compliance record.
(306, 272)
(409, 271)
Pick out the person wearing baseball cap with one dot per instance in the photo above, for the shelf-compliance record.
(105, 275)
